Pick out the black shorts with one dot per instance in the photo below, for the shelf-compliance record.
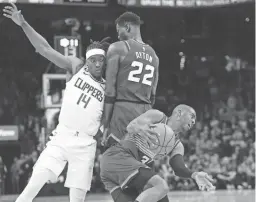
(123, 114)
(118, 168)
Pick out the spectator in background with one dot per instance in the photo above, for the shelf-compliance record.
(227, 174)
(15, 178)
(214, 165)
(233, 110)
(3, 172)
(246, 172)
(225, 147)
(22, 175)
(27, 165)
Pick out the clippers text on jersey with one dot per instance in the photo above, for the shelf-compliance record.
(87, 88)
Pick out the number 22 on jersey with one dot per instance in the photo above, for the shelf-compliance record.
(146, 159)
(134, 75)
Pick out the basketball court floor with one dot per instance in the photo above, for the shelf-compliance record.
(182, 196)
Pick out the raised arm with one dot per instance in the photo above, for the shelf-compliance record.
(39, 43)
(155, 82)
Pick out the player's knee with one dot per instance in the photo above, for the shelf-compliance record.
(77, 195)
(159, 183)
(165, 187)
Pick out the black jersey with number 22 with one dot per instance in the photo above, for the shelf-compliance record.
(137, 73)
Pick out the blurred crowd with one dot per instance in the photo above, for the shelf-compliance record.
(222, 142)
(225, 149)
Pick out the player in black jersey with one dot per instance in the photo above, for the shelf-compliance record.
(125, 164)
(131, 78)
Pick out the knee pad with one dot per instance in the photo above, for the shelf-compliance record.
(77, 195)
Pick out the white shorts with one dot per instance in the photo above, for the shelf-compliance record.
(77, 151)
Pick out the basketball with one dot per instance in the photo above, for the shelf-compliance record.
(165, 140)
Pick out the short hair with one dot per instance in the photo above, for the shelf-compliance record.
(184, 108)
(103, 44)
(128, 17)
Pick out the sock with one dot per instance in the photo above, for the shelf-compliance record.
(77, 195)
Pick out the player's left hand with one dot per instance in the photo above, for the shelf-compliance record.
(204, 181)
(11, 11)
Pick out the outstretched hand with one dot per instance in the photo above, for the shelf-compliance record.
(204, 181)
(13, 13)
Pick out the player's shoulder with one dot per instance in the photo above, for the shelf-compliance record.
(77, 63)
(74, 60)
(117, 47)
(155, 55)
(157, 116)
(152, 50)
(177, 149)
(155, 112)
(157, 58)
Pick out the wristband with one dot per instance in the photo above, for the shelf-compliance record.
(110, 99)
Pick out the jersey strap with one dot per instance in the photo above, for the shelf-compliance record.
(164, 119)
(128, 46)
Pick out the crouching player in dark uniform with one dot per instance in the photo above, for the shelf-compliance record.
(125, 166)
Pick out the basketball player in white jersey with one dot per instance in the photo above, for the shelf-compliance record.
(79, 119)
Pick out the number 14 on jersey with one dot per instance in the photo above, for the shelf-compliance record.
(83, 100)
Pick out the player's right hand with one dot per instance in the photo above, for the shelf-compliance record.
(13, 13)
(204, 181)
(150, 135)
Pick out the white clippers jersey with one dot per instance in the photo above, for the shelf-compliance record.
(82, 104)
